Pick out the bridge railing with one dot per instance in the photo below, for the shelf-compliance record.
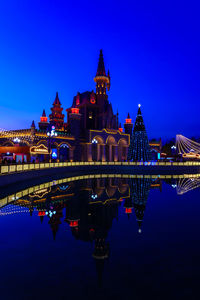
(9, 169)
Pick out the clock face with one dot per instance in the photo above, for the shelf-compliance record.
(92, 100)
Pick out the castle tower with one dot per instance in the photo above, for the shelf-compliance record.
(128, 125)
(101, 252)
(56, 117)
(43, 124)
(120, 127)
(74, 119)
(33, 128)
(139, 149)
(102, 81)
(128, 205)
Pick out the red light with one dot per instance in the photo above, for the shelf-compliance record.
(128, 210)
(128, 121)
(41, 213)
(121, 129)
(73, 223)
(75, 110)
(92, 230)
(43, 119)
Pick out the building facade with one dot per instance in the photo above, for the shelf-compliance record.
(91, 132)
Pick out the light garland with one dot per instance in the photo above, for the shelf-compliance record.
(186, 145)
(187, 184)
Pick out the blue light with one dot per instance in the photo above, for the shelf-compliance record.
(54, 153)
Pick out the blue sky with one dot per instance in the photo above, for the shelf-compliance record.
(150, 47)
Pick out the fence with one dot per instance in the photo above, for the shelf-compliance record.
(9, 169)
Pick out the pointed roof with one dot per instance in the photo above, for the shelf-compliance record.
(139, 123)
(139, 110)
(57, 101)
(33, 124)
(128, 116)
(43, 113)
(101, 68)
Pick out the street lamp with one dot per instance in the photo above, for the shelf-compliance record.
(52, 133)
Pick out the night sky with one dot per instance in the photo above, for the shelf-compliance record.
(152, 49)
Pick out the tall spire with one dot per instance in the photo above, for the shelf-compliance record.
(57, 101)
(102, 80)
(43, 113)
(33, 124)
(101, 68)
(57, 117)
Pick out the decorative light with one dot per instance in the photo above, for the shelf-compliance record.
(73, 223)
(75, 110)
(94, 196)
(43, 119)
(94, 141)
(128, 210)
(185, 145)
(64, 146)
(174, 186)
(50, 213)
(52, 132)
(41, 213)
(16, 140)
(139, 105)
(54, 155)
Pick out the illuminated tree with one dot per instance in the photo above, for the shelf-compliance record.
(139, 149)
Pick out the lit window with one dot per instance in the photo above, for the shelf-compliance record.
(90, 115)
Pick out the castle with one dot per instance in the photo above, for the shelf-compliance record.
(92, 131)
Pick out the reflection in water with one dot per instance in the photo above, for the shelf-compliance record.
(89, 206)
(140, 192)
(185, 185)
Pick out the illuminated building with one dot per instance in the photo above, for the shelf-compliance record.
(155, 148)
(91, 132)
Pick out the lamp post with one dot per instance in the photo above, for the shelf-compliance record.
(51, 133)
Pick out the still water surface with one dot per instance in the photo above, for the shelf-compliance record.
(108, 238)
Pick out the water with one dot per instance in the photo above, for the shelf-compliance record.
(108, 238)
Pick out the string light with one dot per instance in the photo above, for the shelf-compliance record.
(185, 185)
(186, 145)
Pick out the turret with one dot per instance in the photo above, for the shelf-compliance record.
(128, 125)
(120, 127)
(128, 205)
(74, 119)
(102, 80)
(33, 128)
(43, 124)
(56, 117)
